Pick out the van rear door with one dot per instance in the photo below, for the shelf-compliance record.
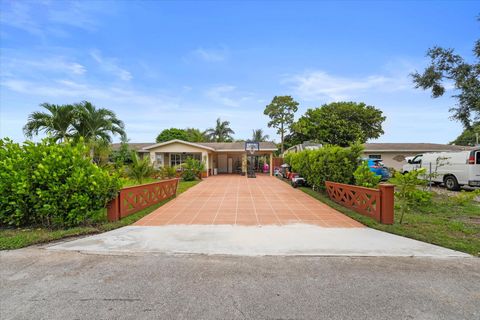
(474, 168)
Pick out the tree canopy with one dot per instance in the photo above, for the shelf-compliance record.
(221, 132)
(258, 135)
(77, 120)
(171, 134)
(446, 67)
(281, 112)
(340, 123)
(468, 137)
(56, 122)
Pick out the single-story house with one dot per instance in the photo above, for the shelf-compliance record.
(218, 157)
(394, 154)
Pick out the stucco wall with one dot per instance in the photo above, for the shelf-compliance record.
(392, 159)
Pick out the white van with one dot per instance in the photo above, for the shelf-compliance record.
(454, 169)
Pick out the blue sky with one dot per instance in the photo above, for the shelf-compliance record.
(183, 64)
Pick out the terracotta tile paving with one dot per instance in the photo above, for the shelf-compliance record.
(233, 199)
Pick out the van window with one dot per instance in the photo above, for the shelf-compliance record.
(477, 157)
(417, 159)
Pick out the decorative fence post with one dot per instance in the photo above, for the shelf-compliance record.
(388, 211)
(113, 209)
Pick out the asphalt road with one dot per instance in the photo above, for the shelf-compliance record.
(41, 284)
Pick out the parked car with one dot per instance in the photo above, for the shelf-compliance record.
(377, 167)
(454, 169)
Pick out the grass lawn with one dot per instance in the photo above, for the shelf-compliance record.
(442, 223)
(19, 238)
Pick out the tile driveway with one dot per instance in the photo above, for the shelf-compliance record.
(237, 200)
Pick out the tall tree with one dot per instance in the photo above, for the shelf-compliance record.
(340, 123)
(195, 135)
(57, 122)
(281, 112)
(96, 125)
(171, 134)
(447, 67)
(221, 132)
(469, 136)
(257, 135)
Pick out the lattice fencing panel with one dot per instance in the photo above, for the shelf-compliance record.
(136, 198)
(365, 201)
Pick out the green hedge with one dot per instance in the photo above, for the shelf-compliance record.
(53, 185)
(332, 163)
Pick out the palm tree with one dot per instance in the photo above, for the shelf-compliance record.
(57, 122)
(259, 136)
(96, 124)
(221, 133)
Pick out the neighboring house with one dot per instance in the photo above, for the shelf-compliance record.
(394, 154)
(225, 157)
(306, 145)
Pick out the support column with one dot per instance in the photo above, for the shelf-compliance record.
(271, 164)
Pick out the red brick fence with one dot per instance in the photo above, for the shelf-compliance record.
(136, 198)
(373, 203)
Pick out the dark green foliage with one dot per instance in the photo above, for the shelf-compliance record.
(195, 135)
(171, 134)
(140, 169)
(447, 67)
(364, 177)
(281, 112)
(340, 123)
(469, 136)
(192, 169)
(330, 163)
(221, 132)
(53, 185)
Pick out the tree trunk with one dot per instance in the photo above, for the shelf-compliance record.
(282, 138)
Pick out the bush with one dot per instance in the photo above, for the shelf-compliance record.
(54, 185)
(364, 177)
(168, 172)
(140, 169)
(463, 198)
(407, 194)
(192, 169)
(329, 163)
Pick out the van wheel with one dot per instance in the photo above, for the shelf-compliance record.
(451, 183)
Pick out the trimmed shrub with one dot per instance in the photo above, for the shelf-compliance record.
(329, 163)
(53, 185)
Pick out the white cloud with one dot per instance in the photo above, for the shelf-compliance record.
(210, 55)
(317, 85)
(222, 94)
(110, 65)
(42, 18)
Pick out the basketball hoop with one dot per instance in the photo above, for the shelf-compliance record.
(251, 147)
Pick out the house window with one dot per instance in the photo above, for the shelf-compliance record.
(375, 156)
(177, 159)
(158, 159)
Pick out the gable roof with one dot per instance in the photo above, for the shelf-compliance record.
(238, 146)
(193, 144)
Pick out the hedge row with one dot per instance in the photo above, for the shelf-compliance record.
(332, 163)
(53, 185)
